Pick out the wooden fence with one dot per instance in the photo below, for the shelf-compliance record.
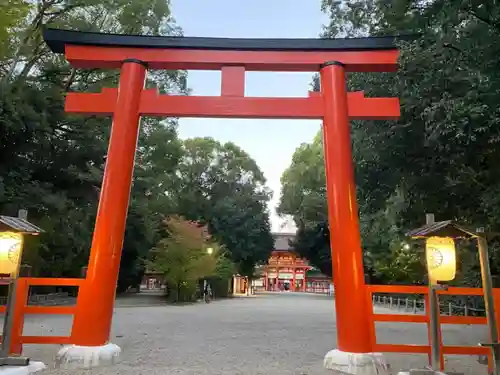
(416, 306)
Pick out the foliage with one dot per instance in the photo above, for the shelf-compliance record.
(440, 156)
(225, 189)
(12, 13)
(182, 258)
(52, 163)
(313, 243)
(303, 186)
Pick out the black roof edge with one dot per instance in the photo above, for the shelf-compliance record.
(447, 228)
(56, 39)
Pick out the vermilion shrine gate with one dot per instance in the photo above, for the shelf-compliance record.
(134, 55)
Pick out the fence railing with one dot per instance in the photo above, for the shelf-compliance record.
(415, 306)
(380, 316)
(23, 307)
(42, 299)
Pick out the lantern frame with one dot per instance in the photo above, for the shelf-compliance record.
(18, 227)
(453, 230)
(441, 258)
(11, 247)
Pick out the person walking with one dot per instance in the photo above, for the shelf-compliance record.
(207, 293)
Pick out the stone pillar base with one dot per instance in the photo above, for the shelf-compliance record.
(86, 357)
(421, 372)
(344, 363)
(33, 367)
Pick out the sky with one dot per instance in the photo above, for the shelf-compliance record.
(270, 143)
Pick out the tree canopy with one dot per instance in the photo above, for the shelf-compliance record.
(225, 189)
(52, 163)
(439, 156)
(182, 257)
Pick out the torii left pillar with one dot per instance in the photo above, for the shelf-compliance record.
(92, 322)
(354, 340)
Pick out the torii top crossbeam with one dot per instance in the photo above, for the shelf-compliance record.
(233, 57)
(92, 50)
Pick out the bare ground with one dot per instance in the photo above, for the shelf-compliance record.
(273, 334)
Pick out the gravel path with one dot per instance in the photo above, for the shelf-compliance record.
(283, 334)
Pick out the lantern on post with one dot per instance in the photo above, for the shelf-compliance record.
(12, 231)
(441, 265)
(11, 244)
(441, 258)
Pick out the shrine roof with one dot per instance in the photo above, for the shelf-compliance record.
(282, 241)
(56, 39)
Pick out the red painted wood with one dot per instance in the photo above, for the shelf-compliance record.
(466, 350)
(92, 322)
(20, 302)
(49, 281)
(411, 289)
(62, 340)
(351, 307)
(470, 320)
(402, 348)
(424, 349)
(355, 61)
(400, 318)
(233, 81)
(153, 104)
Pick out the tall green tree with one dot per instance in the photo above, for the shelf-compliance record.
(224, 188)
(52, 163)
(303, 197)
(12, 15)
(440, 155)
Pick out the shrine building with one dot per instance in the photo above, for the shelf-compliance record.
(286, 271)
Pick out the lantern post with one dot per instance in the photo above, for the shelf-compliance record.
(12, 231)
(441, 265)
(489, 302)
(440, 256)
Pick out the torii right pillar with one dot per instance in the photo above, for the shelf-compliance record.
(353, 354)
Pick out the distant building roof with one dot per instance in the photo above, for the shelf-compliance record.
(282, 241)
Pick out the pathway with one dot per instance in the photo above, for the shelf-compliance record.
(284, 334)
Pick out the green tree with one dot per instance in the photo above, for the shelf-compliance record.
(440, 155)
(303, 197)
(303, 186)
(52, 163)
(224, 188)
(12, 14)
(183, 259)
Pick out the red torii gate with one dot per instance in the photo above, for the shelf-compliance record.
(133, 55)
